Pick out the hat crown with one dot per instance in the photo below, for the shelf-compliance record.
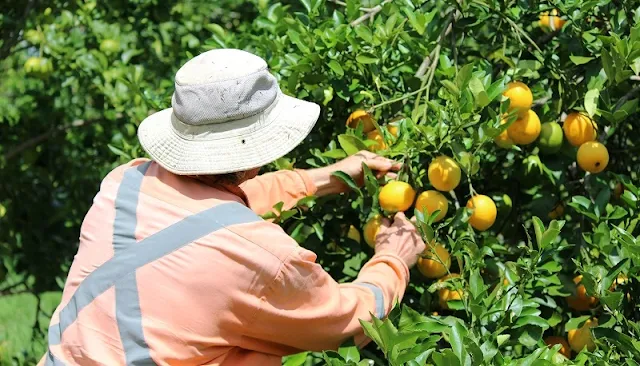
(219, 65)
(222, 85)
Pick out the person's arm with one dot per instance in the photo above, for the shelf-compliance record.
(287, 186)
(290, 186)
(305, 309)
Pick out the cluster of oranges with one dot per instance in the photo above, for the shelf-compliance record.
(444, 176)
(579, 130)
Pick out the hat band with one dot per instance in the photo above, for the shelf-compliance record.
(226, 100)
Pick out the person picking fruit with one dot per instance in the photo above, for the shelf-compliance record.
(175, 265)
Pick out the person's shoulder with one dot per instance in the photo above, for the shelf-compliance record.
(117, 173)
(268, 239)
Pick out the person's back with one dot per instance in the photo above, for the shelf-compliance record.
(174, 271)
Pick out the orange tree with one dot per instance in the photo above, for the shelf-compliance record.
(515, 123)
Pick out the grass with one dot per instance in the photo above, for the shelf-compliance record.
(21, 343)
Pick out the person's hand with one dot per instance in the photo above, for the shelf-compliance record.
(352, 166)
(400, 238)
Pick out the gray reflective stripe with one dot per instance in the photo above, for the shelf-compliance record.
(378, 295)
(51, 360)
(124, 224)
(128, 314)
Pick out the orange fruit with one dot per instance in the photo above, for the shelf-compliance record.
(377, 137)
(393, 129)
(525, 129)
(552, 22)
(371, 230)
(557, 211)
(432, 265)
(396, 196)
(593, 157)
(444, 173)
(447, 294)
(503, 140)
(353, 234)
(520, 96)
(581, 337)
(620, 280)
(484, 212)
(431, 201)
(361, 116)
(581, 301)
(565, 350)
(579, 128)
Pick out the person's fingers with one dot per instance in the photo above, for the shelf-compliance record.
(391, 175)
(382, 165)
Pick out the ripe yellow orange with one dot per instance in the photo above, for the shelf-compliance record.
(579, 128)
(520, 96)
(581, 337)
(551, 21)
(396, 196)
(620, 280)
(371, 230)
(593, 157)
(431, 201)
(581, 301)
(377, 137)
(525, 129)
(447, 294)
(353, 234)
(484, 212)
(503, 140)
(361, 116)
(393, 129)
(564, 349)
(432, 265)
(557, 211)
(444, 173)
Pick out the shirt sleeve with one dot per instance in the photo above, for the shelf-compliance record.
(305, 309)
(287, 186)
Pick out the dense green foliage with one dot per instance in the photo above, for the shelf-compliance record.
(440, 67)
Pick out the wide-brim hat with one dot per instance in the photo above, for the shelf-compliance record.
(228, 114)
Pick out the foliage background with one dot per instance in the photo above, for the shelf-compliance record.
(63, 131)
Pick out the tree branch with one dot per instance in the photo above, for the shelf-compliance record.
(36, 140)
(424, 66)
(370, 13)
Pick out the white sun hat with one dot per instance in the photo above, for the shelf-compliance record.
(228, 114)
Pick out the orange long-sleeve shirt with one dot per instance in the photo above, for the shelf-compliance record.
(171, 271)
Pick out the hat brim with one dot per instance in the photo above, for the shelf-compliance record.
(230, 146)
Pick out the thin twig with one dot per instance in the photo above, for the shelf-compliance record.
(424, 66)
(541, 101)
(370, 13)
(626, 97)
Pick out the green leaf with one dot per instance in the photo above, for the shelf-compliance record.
(298, 359)
(476, 284)
(307, 5)
(366, 58)
(607, 64)
(451, 86)
(335, 66)
(346, 178)
(464, 76)
(591, 101)
(446, 358)
(351, 144)
(456, 336)
(623, 341)
(531, 320)
(539, 230)
(349, 352)
(580, 60)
